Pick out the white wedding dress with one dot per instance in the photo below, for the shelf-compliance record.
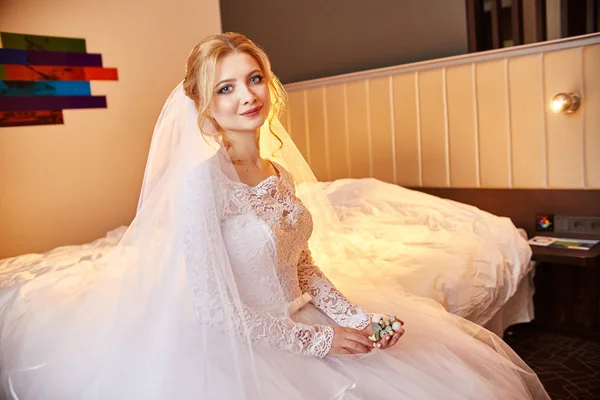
(440, 356)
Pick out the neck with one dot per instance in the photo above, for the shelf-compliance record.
(243, 147)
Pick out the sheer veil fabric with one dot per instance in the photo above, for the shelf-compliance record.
(167, 314)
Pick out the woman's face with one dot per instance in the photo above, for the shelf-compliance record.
(241, 101)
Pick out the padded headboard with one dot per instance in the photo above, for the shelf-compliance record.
(480, 120)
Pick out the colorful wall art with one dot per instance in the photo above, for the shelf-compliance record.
(40, 76)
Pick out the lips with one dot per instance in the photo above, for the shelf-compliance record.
(252, 112)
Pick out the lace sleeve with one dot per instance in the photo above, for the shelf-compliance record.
(326, 297)
(257, 326)
(214, 302)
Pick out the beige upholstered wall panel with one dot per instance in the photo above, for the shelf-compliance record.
(337, 132)
(358, 129)
(432, 113)
(407, 129)
(494, 138)
(528, 121)
(478, 120)
(297, 122)
(591, 113)
(563, 72)
(315, 111)
(462, 126)
(380, 129)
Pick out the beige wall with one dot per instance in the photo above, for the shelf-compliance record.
(70, 184)
(473, 121)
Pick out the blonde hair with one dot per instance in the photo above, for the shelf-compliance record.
(202, 64)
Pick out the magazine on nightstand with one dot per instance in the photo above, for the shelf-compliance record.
(563, 243)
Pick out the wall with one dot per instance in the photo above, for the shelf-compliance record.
(70, 184)
(474, 121)
(314, 38)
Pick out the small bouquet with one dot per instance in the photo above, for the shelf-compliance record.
(384, 325)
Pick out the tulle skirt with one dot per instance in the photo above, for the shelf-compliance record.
(440, 356)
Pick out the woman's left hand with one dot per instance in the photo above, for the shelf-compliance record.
(388, 340)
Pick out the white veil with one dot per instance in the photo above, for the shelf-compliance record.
(166, 302)
(165, 315)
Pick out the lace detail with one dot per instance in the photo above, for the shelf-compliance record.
(271, 200)
(233, 208)
(326, 297)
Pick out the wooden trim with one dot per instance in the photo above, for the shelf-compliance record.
(540, 21)
(564, 18)
(533, 48)
(591, 16)
(496, 28)
(516, 12)
(474, 10)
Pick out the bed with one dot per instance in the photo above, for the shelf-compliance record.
(477, 265)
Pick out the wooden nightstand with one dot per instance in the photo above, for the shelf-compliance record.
(566, 290)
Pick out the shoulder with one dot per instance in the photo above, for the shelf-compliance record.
(284, 173)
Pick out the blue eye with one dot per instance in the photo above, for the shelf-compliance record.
(226, 89)
(256, 79)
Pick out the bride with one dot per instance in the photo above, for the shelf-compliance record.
(218, 290)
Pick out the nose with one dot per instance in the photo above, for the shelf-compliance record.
(247, 95)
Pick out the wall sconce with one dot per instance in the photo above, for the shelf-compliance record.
(565, 103)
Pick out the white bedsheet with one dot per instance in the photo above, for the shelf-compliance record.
(466, 259)
(25, 267)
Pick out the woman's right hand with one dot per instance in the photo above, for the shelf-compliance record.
(349, 341)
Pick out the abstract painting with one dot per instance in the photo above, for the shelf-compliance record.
(40, 76)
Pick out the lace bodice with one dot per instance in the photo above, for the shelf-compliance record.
(262, 226)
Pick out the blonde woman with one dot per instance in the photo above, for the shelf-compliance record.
(214, 292)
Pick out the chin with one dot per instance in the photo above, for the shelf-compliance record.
(253, 125)
(245, 125)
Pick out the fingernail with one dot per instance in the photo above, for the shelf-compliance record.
(374, 344)
(388, 337)
(378, 345)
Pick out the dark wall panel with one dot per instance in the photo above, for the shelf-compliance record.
(315, 38)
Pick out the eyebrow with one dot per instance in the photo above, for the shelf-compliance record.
(231, 80)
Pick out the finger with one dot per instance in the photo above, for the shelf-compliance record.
(389, 340)
(378, 344)
(382, 342)
(366, 333)
(360, 339)
(353, 331)
(385, 341)
(355, 346)
(396, 337)
(343, 351)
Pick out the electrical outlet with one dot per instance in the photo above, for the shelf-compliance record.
(577, 225)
